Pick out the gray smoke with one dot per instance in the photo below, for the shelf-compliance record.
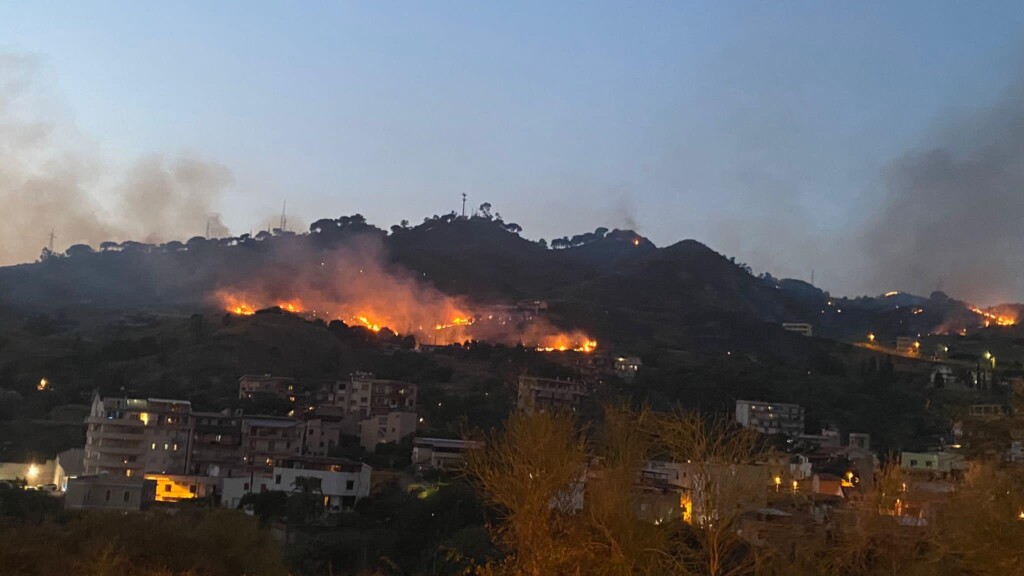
(953, 212)
(49, 180)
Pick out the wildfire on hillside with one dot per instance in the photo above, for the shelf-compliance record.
(498, 325)
(989, 318)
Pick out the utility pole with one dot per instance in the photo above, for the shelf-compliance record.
(51, 239)
(207, 228)
(284, 218)
(463, 204)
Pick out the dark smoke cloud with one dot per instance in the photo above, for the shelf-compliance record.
(50, 181)
(953, 212)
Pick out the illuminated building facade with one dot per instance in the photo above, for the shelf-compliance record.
(133, 436)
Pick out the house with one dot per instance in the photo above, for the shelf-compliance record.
(544, 394)
(133, 436)
(387, 427)
(770, 417)
(933, 464)
(907, 346)
(365, 395)
(342, 482)
(441, 453)
(626, 367)
(109, 492)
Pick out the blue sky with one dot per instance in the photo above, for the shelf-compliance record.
(760, 128)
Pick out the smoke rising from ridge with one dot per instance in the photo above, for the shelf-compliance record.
(49, 180)
(952, 214)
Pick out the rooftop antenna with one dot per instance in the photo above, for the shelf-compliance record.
(463, 204)
(284, 218)
(51, 239)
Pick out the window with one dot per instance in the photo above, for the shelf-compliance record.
(350, 484)
(271, 445)
(913, 462)
(928, 464)
(277, 479)
(127, 496)
(245, 486)
(153, 447)
(108, 496)
(167, 487)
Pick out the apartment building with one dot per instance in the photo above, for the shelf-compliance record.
(770, 417)
(544, 394)
(216, 444)
(133, 436)
(441, 453)
(387, 427)
(266, 439)
(252, 385)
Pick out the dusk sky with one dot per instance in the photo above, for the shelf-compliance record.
(767, 130)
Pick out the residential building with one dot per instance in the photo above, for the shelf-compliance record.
(322, 435)
(216, 444)
(441, 453)
(934, 464)
(174, 488)
(770, 417)
(342, 482)
(253, 385)
(133, 436)
(544, 394)
(387, 427)
(265, 439)
(109, 492)
(366, 395)
(801, 328)
(34, 474)
(626, 367)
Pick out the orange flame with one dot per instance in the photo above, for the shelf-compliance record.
(994, 318)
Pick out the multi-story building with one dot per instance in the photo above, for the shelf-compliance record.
(109, 493)
(216, 444)
(252, 385)
(322, 435)
(770, 417)
(134, 436)
(387, 427)
(342, 482)
(367, 395)
(266, 439)
(544, 394)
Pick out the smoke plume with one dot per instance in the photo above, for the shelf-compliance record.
(51, 182)
(951, 217)
(355, 283)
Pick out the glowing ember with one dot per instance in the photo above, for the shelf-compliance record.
(891, 294)
(457, 321)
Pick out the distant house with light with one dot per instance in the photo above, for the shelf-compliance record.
(626, 367)
(907, 346)
(342, 482)
(109, 492)
(801, 328)
(175, 488)
(770, 417)
(441, 453)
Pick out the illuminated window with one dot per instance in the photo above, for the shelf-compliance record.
(153, 447)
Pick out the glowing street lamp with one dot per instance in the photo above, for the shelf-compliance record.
(871, 337)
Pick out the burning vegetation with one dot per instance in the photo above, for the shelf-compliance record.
(359, 289)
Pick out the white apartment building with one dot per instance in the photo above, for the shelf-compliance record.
(342, 482)
(133, 436)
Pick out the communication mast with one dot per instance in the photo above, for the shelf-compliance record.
(463, 204)
(51, 239)
(284, 218)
